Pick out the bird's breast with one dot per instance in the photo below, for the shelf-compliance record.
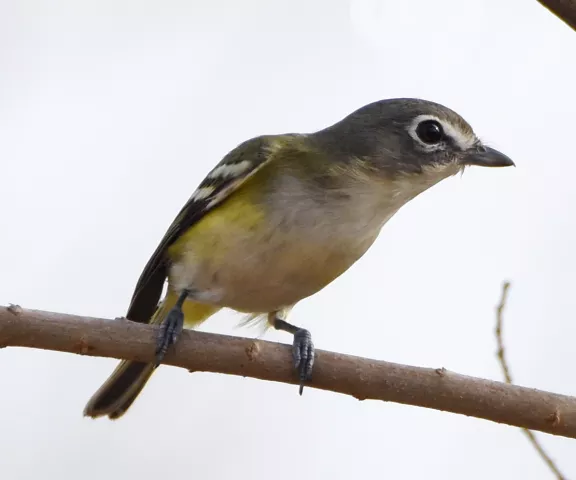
(291, 228)
(256, 254)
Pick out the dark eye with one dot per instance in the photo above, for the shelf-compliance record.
(430, 131)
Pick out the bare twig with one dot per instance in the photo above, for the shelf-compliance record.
(506, 370)
(565, 10)
(360, 377)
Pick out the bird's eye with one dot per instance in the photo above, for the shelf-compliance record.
(430, 132)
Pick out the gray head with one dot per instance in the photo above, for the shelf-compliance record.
(407, 135)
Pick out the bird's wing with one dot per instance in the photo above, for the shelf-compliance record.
(233, 170)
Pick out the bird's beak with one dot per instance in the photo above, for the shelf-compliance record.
(487, 157)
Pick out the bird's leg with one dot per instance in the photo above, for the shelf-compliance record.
(171, 327)
(302, 348)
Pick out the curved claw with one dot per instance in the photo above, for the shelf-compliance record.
(303, 355)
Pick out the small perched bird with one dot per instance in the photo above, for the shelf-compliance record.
(282, 216)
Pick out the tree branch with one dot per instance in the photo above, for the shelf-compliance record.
(508, 376)
(360, 377)
(565, 10)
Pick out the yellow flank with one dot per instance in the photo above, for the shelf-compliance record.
(194, 313)
(210, 236)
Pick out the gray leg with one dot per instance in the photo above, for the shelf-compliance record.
(171, 327)
(302, 348)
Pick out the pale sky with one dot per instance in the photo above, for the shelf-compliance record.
(111, 112)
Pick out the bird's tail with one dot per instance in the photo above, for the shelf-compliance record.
(117, 393)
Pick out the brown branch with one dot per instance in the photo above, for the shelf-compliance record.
(504, 364)
(565, 10)
(360, 377)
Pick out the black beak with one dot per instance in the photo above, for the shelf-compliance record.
(487, 157)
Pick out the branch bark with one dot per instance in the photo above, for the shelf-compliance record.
(565, 10)
(359, 377)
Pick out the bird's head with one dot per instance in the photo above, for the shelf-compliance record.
(412, 137)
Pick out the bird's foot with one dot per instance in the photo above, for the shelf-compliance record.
(169, 332)
(302, 348)
(303, 355)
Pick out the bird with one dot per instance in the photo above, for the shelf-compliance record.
(280, 217)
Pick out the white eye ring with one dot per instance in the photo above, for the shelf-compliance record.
(462, 140)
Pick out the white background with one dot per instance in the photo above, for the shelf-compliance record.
(111, 112)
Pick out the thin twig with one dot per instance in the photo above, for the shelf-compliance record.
(507, 375)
